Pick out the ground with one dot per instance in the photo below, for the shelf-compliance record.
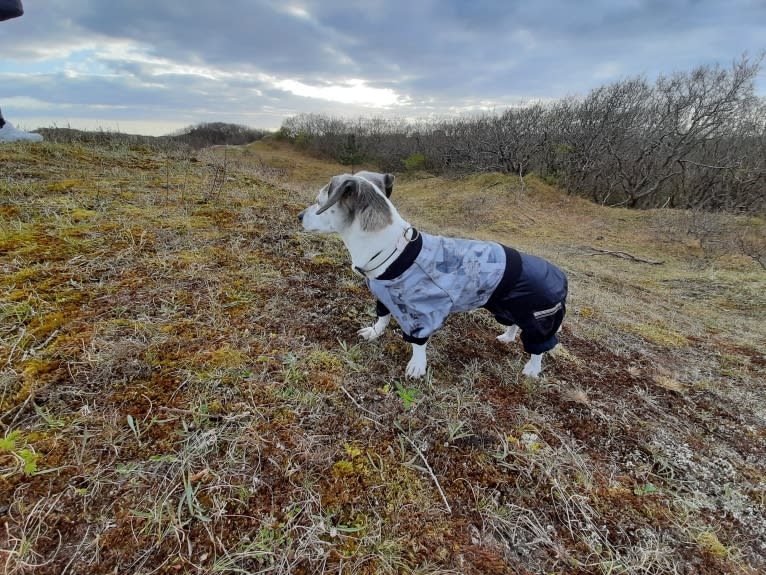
(182, 390)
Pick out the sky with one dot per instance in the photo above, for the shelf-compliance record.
(154, 67)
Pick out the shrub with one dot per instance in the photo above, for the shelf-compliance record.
(414, 162)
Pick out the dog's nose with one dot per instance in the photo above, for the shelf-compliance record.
(300, 216)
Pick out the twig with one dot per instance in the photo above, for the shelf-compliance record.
(15, 345)
(428, 467)
(32, 351)
(19, 409)
(521, 177)
(208, 415)
(77, 551)
(625, 256)
(351, 397)
(705, 165)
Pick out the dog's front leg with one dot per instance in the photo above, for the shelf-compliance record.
(417, 366)
(375, 331)
(533, 366)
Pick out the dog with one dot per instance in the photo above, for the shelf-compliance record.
(421, 278)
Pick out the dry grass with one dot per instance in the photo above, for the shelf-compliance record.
(181, 391)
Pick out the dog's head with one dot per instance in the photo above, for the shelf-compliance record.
(347, 199)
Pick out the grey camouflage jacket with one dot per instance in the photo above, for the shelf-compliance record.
(447, 275)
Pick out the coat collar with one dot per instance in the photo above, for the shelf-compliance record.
(408, 255)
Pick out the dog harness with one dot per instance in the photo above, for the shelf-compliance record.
(435, 276)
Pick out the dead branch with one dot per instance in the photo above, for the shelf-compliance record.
(625, 256)
(428, 467)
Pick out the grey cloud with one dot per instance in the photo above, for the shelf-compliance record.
(437, 55)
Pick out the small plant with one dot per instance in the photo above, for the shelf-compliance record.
(647, 489)
(457, 429)
(23, 458)
(408, 395)
(352, 355)
(192, 503)
(134, 427)
(290, 372)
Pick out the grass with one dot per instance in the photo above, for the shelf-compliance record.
(181, 390)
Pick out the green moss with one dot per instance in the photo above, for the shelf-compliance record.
(8, 443)
(324, 360)
(226, 357)
(343, 469)
(709, 542)
(657, 333)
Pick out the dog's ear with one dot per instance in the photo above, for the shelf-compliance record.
(384, 182)
(368, 207)
(338, 188)
(388, 184)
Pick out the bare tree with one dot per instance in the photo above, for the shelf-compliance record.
(694, 139)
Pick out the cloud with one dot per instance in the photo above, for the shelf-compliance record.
(256, 61)
(354, 91)
(607, 70)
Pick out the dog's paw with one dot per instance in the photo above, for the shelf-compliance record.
(418, 363)
(533, 367)
(368, 333)
(416, 368)
(531, 371)
(509, 336)
(376, 330)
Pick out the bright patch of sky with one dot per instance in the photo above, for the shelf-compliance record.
(353, 91)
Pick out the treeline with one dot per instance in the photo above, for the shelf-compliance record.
(690, 140)
(197, 136)
(216, 134)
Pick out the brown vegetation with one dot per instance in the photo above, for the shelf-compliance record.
(181, 391)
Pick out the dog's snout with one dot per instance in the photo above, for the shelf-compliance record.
(300, 216)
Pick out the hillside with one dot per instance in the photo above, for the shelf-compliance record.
(182, 391)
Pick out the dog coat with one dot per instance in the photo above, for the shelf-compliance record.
(435, 276)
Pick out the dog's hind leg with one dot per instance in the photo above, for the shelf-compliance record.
(509, 335)
(375, 331)
(533, 366)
